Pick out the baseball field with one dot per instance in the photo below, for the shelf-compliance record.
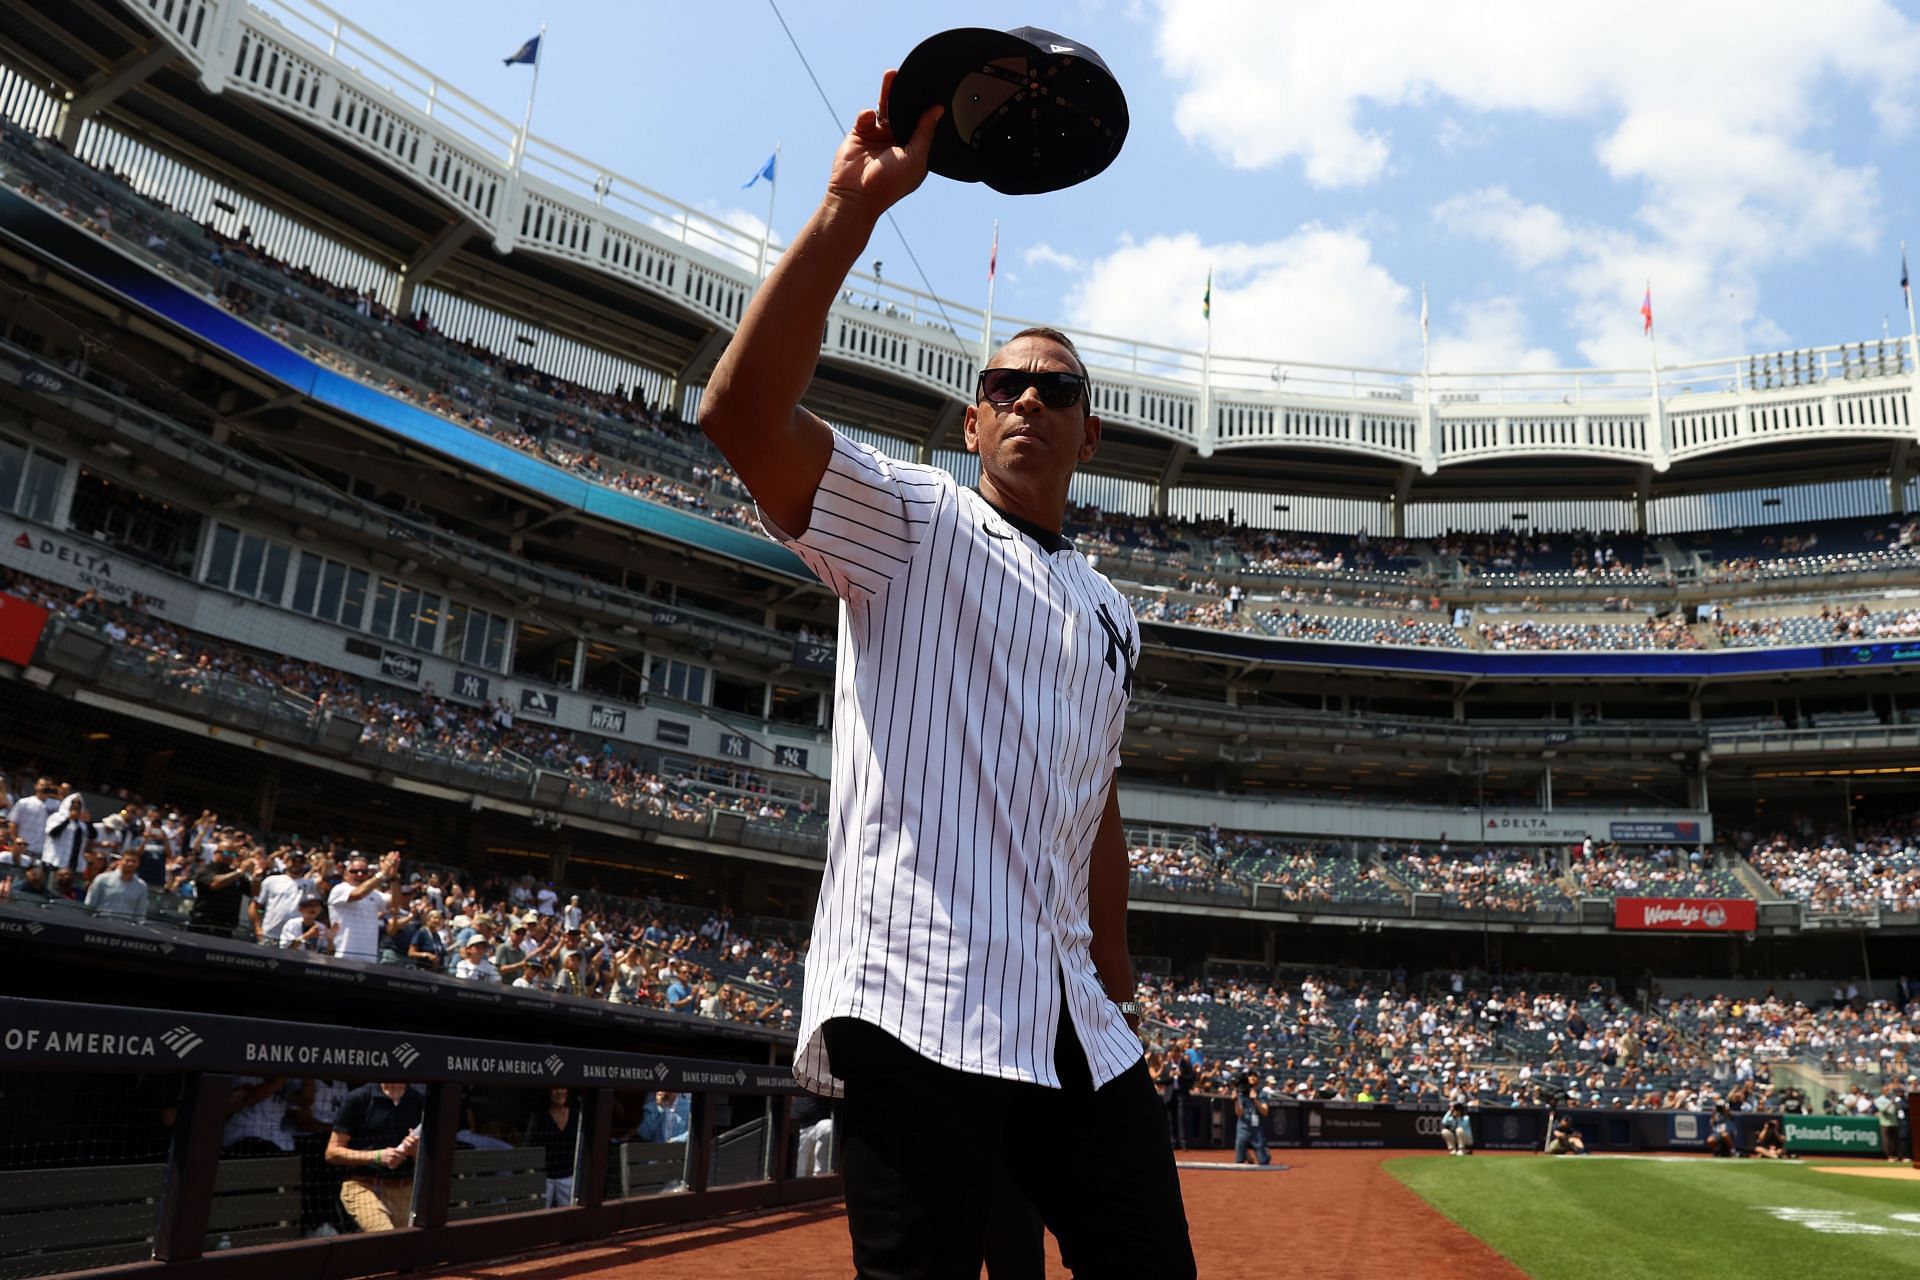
(1575, 1218)
(1380, 1215)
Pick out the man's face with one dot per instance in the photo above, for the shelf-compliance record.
(1028, 442)
(129, 865)
(357, 871)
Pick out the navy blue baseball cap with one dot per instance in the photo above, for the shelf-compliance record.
(1028, 110)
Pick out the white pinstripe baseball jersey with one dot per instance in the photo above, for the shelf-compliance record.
(981, 690)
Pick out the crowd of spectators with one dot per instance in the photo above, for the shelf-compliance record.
(404, 720)
(1523, 555)
(1832, 625)
(1405, 629)
(1876, 870)
(1497, 880)
(1658, 873)
(138, 861)
(1849, 547)
(1530, 634)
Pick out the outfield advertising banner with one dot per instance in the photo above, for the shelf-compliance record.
(1832, 1135)
(1687, 915)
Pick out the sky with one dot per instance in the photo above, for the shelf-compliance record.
(1536, 166)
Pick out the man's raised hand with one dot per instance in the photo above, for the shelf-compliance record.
(872, 169)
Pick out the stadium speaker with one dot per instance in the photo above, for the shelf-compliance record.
(549, 789)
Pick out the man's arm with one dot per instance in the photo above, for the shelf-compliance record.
(1107, 875)
(751, 410)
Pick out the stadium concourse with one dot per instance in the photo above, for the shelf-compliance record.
(398, 694)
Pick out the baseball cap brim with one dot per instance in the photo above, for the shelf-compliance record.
(1026, 111)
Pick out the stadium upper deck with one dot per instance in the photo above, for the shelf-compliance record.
(358, 141)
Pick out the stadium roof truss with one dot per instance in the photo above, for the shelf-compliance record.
(376, 151)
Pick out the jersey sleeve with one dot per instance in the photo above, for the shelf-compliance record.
(868, 518)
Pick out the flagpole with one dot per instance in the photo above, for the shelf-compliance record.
(1426, 396)
(1913, 334)
(766, 232)
(1205, 433)
(526, 121)
(993, 275)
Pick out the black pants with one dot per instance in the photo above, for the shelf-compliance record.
(922, 1147)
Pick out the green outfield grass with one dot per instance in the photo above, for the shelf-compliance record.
(1575, 1219)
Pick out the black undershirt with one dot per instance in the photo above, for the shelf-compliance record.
(1048, 539)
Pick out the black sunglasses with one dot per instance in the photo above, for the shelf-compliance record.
(1001, 387)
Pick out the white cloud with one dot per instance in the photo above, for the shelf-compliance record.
(1317, 296)
(1045, 255)
(1487, 335)
(1712, 113)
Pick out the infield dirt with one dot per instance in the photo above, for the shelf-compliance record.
(1332, 1215)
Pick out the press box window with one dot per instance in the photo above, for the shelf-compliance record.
(406, 614)
(329, 590)
(674, 679)
(474, 637)
(247, 564)
(29, 480)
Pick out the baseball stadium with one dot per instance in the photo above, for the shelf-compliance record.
(452, 825)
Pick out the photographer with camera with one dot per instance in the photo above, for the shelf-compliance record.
(1251, 1131)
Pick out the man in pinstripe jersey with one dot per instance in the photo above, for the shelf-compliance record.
(968, 991)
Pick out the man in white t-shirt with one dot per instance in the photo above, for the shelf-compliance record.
(546, 899)
(573, 914)
(278, 900)
(357, 905)
(30, 814)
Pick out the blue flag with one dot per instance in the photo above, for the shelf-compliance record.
(765, 171)
(528, 53)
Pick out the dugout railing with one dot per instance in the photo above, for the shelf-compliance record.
(122, 1150)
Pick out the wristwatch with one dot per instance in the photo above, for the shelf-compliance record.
(1128, 1006)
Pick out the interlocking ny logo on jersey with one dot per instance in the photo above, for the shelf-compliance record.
(1117, 641)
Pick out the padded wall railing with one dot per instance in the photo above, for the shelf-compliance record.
(169, 1196)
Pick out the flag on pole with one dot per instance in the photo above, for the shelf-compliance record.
(1423, 311)
(764, 171)
(1906, 284)
(1646, 311)
(528, 53)
(1206, 299)
(993, 258)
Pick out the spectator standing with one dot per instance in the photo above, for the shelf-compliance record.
(68, 832)
(375, 1134)
(120, 892)
(30, 814)
(1886, 1110)
(510, 957)
(279, 895)
(219, 890)
(357, 905)
(556, 1128)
